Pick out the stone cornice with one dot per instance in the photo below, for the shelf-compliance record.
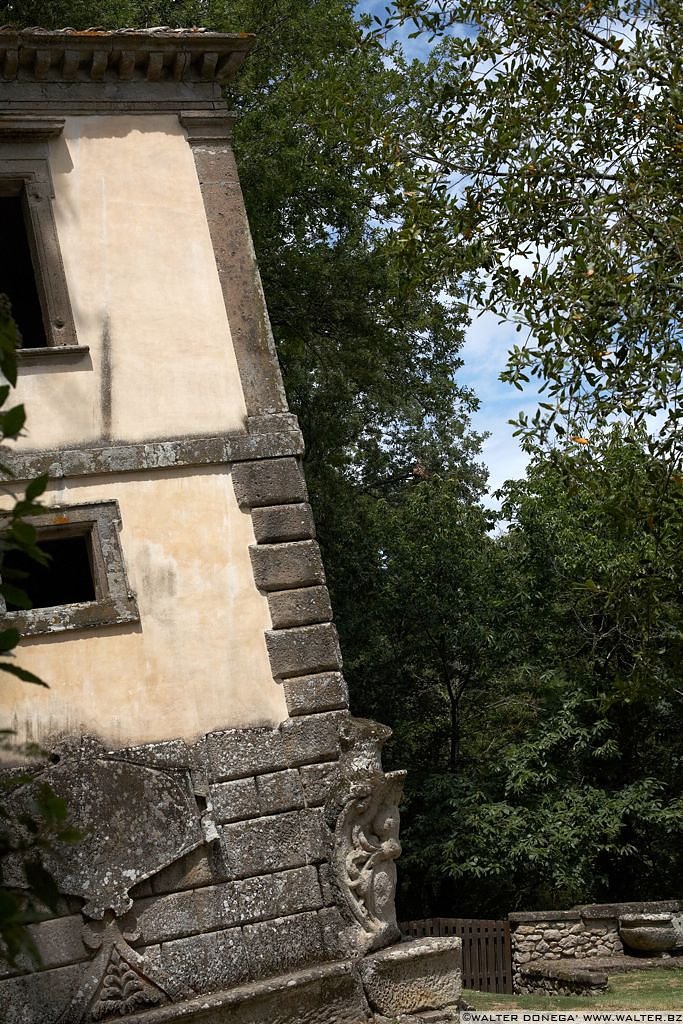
(95, 55)
(153, 455)
(29, 128)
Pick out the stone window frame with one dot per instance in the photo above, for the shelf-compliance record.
(25, 171)
(115, 602)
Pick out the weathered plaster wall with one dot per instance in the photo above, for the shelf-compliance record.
(197, 660)
(144, 290)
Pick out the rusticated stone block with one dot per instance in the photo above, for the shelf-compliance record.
(264, 844)
(303, 651)
(318, 780)
(237, 753)
(321, 994)
(301, 607)
(201, 867)
(283, 945)
(281, 791)
(272, 423)
(141, 890)
(207, 962)
(317, 834)
(163, 918)
(325, 691)
(328, 887)
(268, 482)
(279, 895)
(312, 738)
(332, 926)
(234, 801)
(424, 974)
(277, 523)
(165, 754)
(283, 566)
(39, 998)
(58, 943)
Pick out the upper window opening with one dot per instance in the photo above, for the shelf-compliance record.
(17, 273)
(31, 266)
(66, 579)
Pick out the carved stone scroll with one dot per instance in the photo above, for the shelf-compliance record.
(366, 849)
(363, 811)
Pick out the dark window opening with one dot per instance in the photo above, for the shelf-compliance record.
(17, 274)
(67, 579)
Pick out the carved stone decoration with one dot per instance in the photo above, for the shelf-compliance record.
(134, 820)
(123, 990)
(366, 849)
(363, 813)
(116, 982)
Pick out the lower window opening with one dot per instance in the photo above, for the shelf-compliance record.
(67, 579)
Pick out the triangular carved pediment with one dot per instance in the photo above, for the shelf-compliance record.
(123, 990)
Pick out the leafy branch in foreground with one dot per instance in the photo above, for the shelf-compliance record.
(15, 532)
(27, 891)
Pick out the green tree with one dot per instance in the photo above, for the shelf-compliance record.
(571, 788)
(551, 148)
(368, 343)
(424, 635)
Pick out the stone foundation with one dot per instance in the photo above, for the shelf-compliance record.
(559, 980)
(254, 854)
(327, 994)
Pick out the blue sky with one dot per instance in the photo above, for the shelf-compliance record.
(485, 348)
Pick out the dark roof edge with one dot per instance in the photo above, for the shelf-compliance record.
(123, 55)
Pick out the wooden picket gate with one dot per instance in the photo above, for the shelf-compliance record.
(486, 949)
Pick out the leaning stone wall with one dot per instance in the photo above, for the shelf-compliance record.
(275, 854)
(234, 861)
(253, 900)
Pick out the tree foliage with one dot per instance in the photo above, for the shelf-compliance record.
(26, 887)
(570, 779)
(551, 148)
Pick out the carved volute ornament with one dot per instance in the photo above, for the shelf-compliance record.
(366, 839)
(366, 848)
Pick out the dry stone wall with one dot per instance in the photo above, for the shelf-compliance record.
(585, 933)
(549, 980)
(561, 935)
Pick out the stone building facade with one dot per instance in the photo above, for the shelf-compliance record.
(239, 834)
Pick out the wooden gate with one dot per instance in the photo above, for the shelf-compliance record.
(486, 949)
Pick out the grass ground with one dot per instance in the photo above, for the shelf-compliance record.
(658, 989)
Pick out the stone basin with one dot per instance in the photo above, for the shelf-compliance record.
(651, 933)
